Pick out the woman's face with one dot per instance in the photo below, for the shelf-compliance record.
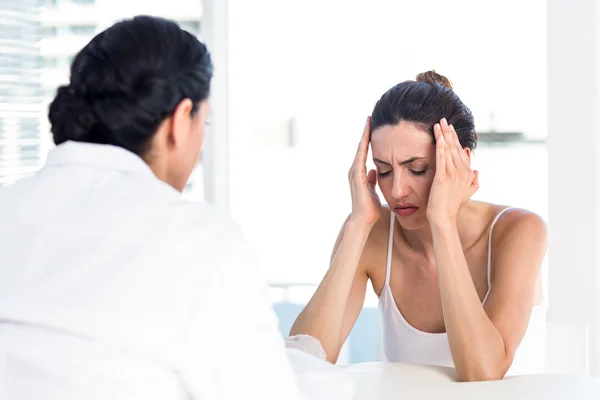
(405, 159)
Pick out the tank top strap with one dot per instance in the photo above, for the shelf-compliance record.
(489, 258)
(388, 266)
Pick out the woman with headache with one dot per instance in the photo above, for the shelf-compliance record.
(458, 280)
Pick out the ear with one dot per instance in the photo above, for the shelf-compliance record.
(468, 154)
(181, 121)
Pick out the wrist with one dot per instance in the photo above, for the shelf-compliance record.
(358, 226)
(442, 223)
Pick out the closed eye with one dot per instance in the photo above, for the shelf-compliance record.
(418, 173)
(383, 174)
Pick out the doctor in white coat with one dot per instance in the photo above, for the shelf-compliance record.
(112, 286)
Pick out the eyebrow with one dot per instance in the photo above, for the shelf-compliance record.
(412, 159)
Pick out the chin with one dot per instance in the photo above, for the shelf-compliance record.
(412, 223)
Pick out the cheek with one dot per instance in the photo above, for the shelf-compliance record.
(199, 128)
(195, 139)
(199, 139)
(385, 185)
(197, 135)
(426, 185)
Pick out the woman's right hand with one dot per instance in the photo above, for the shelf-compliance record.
(366, 207)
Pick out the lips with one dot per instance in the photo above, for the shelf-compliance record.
(404, 210)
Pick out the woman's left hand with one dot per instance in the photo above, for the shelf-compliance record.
(454, 182)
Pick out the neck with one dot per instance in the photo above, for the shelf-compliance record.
(159, 166)
(421, 240)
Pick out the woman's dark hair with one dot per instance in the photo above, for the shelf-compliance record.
(425, 102)
(127, 80)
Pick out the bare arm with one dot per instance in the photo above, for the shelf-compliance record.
(483, 340)
(334, 308)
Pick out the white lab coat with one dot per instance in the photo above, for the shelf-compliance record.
(112, 286)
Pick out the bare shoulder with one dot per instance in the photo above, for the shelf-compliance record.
(518, 224)
(519, 243)
(519, 240)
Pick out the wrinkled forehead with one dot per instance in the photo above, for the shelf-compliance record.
(401, 141)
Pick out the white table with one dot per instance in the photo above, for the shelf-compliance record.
(383, 381)
(386, 381)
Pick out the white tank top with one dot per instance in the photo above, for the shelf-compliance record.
(404, 343)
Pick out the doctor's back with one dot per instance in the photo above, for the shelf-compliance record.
(112, 286)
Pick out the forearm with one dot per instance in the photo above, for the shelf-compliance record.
(323, 315)
(477, 347)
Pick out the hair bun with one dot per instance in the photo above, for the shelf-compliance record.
(433, 78)
(70, 115)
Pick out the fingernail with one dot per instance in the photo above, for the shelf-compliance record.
(436, 127)
(444, 122)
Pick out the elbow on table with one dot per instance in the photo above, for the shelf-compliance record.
(481, 373)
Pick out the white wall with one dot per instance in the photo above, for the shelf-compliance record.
(321, 65)
(573, 148)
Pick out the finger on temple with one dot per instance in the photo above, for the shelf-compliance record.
(454, 156)
(440, 156)
(463, 156)
(455, 136)
(363, 146)
(437, 132)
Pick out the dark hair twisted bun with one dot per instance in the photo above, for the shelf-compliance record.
(70, 115)
(127, 80)
(433, 77)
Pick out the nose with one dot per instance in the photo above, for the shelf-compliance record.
(400, 186)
